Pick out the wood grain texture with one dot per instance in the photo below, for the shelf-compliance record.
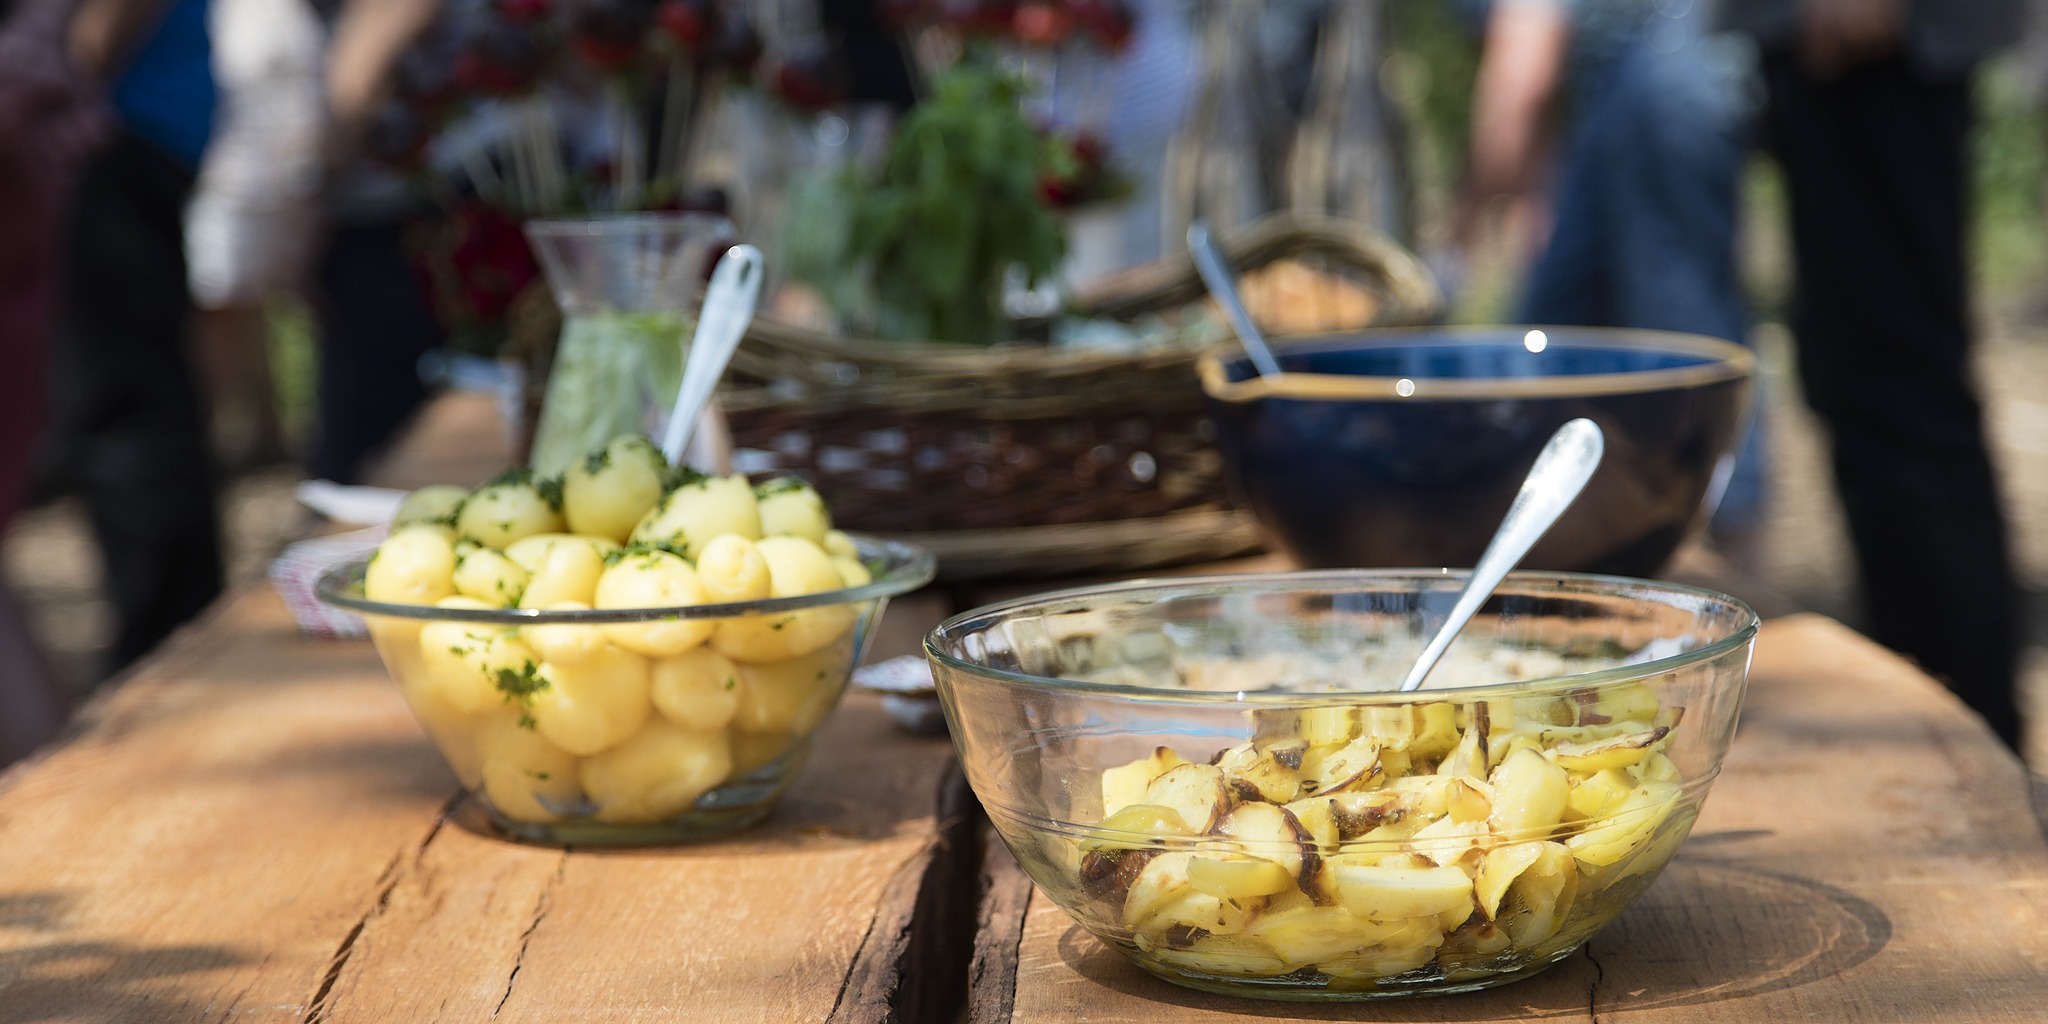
(255, 827)
(770, 925)
(199, 849)
(1870, 854)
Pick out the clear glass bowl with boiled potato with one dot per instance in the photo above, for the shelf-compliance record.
(628, 653)
(1215, 777)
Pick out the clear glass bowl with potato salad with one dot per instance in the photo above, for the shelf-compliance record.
(627, 653)
(1211, 776)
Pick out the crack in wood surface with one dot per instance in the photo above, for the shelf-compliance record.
(387, 883)
(999, 935)
(540, 913)
(886, 933)
(1593, 989)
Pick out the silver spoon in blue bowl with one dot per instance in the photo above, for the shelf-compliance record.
(1216, 274)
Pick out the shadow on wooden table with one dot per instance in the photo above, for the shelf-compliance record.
(1693, 939)
(90, 980)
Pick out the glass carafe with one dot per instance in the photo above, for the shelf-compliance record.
(627, 285)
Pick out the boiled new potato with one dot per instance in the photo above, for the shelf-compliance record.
(731, 569)
(837, 544)
(620, 722)
(789, 507)
(592, 705)
(796, 567)
(658, 773)
(487, 575)
(793, 695)
(450, 725)
(526, 777)
(698, 511)
(565, 643)
(853, 572)
(610, 491)
(567, 572)
(653, 579)
(415, 565)
(532, 552)
(697, 689)
(464, 664)
(435, 503)
(511, 507)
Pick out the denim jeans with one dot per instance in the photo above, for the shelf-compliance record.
(1646, 210)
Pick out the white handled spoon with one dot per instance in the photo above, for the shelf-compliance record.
(1209, 263)
(728, 308)
(1567, 461)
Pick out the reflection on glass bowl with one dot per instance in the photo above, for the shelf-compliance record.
(1210, 775)
(593, 744)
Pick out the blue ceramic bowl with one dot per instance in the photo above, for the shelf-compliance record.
(1404, 447)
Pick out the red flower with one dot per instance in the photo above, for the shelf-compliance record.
(490, 259)
(1040, 23)
(689, 22)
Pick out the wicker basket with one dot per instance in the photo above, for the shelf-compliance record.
(917, 437)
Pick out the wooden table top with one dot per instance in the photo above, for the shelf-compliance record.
(253, 826)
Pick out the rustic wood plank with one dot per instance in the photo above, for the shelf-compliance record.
(1006, 895)
(1869, 854)
(212, 832)
(767, 925)
(256, 826)
(912, 965)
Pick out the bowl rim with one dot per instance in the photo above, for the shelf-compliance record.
(905, 567)
(1326, 580)
(1726, 361)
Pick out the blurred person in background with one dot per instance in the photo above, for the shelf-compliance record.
(50, 119)
(1869, 115)
(251, 218)
(372, 312)
(129, 432)
(1641, 230)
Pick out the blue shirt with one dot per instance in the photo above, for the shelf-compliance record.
(167, 95)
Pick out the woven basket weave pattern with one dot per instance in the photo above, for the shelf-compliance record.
(883, 470)
(907, 436)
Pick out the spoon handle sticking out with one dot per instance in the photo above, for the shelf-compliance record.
(1216, 275)
(1567, 461)
(728, 309)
